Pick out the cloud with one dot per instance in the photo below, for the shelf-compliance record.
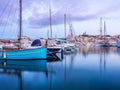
(76, 10)
(36, 12)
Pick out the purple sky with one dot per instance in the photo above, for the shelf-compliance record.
(83, 14)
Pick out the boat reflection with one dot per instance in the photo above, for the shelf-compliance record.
(102, 54)
(118, 50)
(31, 65)
(14, 68)
(96, 50)
(52, 60)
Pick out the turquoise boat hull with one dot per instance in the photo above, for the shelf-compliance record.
(35, 53)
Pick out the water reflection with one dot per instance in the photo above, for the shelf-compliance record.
(103, 53)
(85, 50)
(91, 68)
(51, 69)
(118, 51)
(65, 69)
(14, 68)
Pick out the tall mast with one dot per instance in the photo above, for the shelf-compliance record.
(104, 29)
(20, 23)
(65, 24)
(101, 27)
(50, 20)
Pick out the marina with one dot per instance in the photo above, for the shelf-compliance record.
(59, 45)
(88, 69)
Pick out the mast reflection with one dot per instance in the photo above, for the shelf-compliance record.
(16, 68)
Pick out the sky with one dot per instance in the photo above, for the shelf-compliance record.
(84, 15)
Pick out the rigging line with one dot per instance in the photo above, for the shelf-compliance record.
(4, 9)
(4, 12)
(17, 21)
(4, 19)
(14, 14)
(11, 6)
(10, 28)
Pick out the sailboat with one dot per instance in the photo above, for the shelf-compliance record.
(37, 52)
(52, 49)
(104, 41)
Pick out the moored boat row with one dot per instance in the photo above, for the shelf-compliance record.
(36, 49)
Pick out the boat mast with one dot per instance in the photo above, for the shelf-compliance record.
(50, 20)
(101, 27)
(104, 30)
(20, 23)
(65, 24)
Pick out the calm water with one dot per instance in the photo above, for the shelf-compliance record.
(88, 69)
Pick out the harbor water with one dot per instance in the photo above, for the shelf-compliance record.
(90, 68)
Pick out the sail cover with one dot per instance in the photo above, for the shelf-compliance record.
(36, 42)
